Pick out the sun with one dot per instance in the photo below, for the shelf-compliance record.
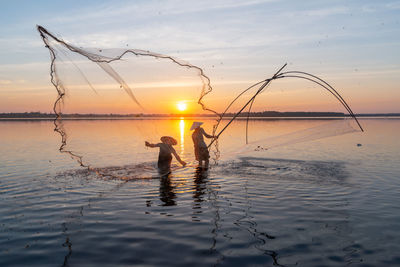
(181, 106)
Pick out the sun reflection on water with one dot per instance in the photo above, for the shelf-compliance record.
(182, 133)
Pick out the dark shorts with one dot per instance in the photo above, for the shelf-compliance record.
(164, 162)
(201, 153)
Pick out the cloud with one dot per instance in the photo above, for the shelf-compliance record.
(5, 82)
(327, 11)
(18, 42)
(393, 5)
(24, 66)
(151, 8)
(320, 12)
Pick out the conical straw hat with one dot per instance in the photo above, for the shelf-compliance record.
(195, 125)
(169, 140)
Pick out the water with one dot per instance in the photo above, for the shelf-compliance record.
(327, 202)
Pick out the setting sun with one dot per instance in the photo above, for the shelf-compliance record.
(181, 106)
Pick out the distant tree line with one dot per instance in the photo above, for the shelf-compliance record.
(40, 115)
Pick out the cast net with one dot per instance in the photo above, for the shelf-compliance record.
(304, 123)
(140, 96)
(147, 90)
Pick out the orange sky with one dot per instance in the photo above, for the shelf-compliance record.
(290, 95)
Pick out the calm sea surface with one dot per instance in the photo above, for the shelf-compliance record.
(325, 202)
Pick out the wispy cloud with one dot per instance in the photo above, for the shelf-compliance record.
(319, 12)
(327, 11)
(151, 8)
(5, 82)
(393, 5)
(23, 66)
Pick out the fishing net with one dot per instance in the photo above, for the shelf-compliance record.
(149, 90)
(272, 94)
(144, 87)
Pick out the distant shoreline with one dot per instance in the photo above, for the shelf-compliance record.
(253, 115)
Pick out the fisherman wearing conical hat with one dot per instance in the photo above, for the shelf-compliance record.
(165, 157)
(200, 147)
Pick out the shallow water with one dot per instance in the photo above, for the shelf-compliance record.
(326, 202)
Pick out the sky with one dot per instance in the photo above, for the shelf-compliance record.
(354, 45)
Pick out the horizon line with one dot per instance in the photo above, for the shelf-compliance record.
(38, 114)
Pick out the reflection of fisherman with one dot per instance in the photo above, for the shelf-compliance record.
(166, 149)
(200, 147)
(167, 191)
(200, 180)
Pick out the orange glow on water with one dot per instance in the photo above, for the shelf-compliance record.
(182, 135)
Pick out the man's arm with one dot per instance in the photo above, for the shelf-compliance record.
(150, 145)
(177, 157)
(206, 134)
